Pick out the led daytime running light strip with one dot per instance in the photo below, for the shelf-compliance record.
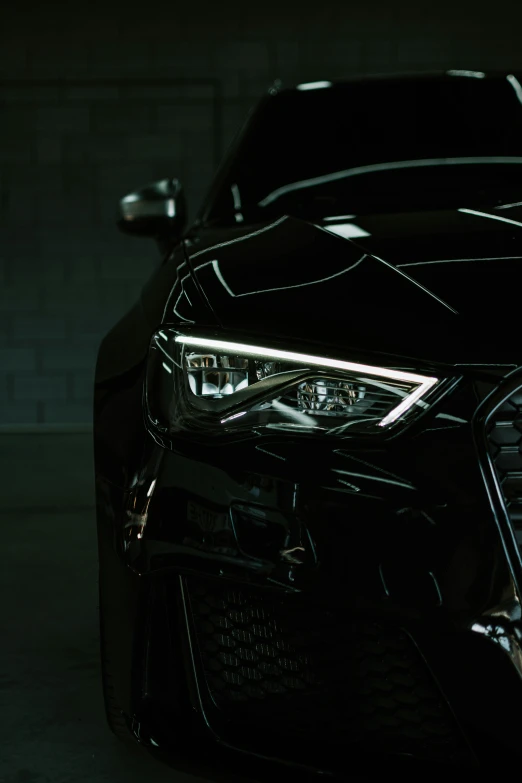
(425, 383)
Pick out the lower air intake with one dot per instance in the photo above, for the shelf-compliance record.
(275, 664)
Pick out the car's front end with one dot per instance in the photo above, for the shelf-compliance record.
(308, 478)
(333, 597)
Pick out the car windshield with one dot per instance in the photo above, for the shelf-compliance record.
(377, 146)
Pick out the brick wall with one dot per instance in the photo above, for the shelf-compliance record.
(94, 106)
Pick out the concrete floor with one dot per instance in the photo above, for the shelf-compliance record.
(52, 727)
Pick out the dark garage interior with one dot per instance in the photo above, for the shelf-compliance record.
(97, 100)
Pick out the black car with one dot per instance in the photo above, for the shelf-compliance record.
(307, 441)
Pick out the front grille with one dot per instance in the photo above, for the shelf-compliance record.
(284, 667)
(504, 436)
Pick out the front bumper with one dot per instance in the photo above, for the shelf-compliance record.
(331, 598)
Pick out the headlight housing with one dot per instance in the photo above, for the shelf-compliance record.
(198, 384)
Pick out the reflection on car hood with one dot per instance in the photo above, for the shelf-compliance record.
(438, 286)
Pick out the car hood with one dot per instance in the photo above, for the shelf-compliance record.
(435, 286)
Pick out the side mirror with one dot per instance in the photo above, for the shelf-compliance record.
(157, 210)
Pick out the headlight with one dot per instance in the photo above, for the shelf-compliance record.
(211, 386)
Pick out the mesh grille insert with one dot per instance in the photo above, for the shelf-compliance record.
(278, 665)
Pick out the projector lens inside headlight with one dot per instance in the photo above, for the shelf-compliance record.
(199, 384)
(332, 398)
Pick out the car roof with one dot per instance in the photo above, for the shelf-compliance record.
(409, 76)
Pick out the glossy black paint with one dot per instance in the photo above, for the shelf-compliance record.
(311, 274)
(408, 533)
